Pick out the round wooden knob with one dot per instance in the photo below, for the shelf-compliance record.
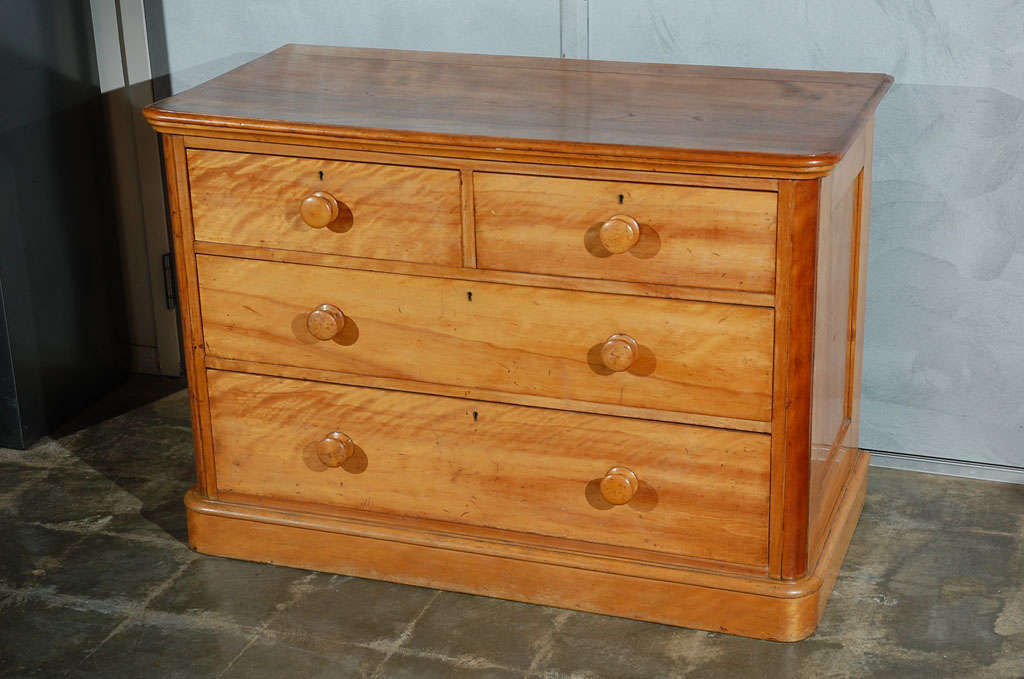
(619, 352)
(319, 209)
(619, 485)
(325, 322)
(619, 234)
(335, 448)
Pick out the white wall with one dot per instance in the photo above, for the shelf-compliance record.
(207, 38)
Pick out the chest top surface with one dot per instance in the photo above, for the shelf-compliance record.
(782, 119)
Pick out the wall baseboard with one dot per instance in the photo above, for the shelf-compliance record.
(934, 465)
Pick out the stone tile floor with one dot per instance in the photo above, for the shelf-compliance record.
(96, 581)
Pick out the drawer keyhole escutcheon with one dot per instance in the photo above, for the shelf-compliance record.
(619, 485)
(325, 322)
(619, 234)
(319, 209)
(335, 449)
(619, 352)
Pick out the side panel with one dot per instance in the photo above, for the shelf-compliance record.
(839, 305)
(819, 345)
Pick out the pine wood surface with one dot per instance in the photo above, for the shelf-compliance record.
(386, 211)
(779, 120)
(703, 492)
(480, 394)
(712, 359)
(703, 237)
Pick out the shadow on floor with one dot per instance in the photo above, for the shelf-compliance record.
(137, 391)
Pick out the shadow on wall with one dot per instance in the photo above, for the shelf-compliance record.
(59, 260)
(944, 347)
(156, 38)
(159, 58)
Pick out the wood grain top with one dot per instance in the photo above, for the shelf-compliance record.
(765, 118)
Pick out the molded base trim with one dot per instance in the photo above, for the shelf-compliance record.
(735, 604)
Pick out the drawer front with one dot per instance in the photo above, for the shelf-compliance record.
(383, 211)
(701, 492)
(693, 357)
(679, 235)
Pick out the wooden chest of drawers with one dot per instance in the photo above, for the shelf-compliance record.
(577, 333)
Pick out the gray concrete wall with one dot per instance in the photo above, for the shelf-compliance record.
(945, 327)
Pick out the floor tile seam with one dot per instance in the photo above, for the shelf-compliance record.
(139, 614)
(75, 527)
(123, 607)
(17, 458)
(21, 487)
(404, 635)
(544, 647)
(465, 661)
(59, 556)
(23, 458)
(253, 638)
(259, 632)
(81, 603)
(460, 660)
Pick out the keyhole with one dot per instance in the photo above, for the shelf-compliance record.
(322, 178)
(469, 296)
(475, 415)
(620, 195)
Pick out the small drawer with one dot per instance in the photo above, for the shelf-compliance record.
(683, 490)
(672, 355)
(626, 231)
(358, 209)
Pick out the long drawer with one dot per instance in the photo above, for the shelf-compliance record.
(627, 231)
(700, 491)
(691, 357)
(356, 209)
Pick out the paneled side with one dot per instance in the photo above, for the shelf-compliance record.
(835, 334)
